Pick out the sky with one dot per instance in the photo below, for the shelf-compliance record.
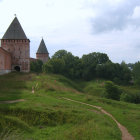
(78, 26)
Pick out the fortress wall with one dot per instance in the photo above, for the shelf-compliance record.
(20, 53)
(5, 62)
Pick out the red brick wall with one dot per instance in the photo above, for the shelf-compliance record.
(20, 52)
(5, 60)
(33, 59)
(43, 57)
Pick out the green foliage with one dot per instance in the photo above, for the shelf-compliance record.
(89, 63)
(90, 66)
(96, 58)
(94, 87)
(49, 118)
(47, 67)
(65, 63)
(112, 91)
(119, 73)
(60, 54)
(75, 67)
(130, 65)
(131, 97)
(54, 66)
(10, 134)
(13, 123)
(36, 66)
(136, 73)
(47, 114)
(126, 97)
(71, 120)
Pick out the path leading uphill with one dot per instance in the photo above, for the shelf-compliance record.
(125, 134)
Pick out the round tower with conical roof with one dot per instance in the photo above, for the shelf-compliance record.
(17, 44)
(42, 52)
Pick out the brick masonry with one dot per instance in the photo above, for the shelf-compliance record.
(20, 53)
(44, 57)
(15, 50)
(5, 61)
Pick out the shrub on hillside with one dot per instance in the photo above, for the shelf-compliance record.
(130, 97)
(47, 68)
(112, 91)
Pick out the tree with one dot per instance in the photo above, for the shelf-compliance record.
(72, 64)
(60, 54)
(126, 74)
(119, 73)
(54, 66)
(90, 61)
(112, 91)
(36, 66)
(136, 73)
(130, 66)
(96, 58)
(90, 66)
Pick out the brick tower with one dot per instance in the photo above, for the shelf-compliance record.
(16, 43)
(42, 52)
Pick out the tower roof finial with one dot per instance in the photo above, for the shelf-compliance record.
(15, 15)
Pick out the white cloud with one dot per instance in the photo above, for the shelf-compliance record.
(116, 15)
(74, 24)
(136, 13)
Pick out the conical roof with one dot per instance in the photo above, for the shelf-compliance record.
(14, 31)
(42, 47)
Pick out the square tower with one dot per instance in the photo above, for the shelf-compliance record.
(42, 52)
(17, 44)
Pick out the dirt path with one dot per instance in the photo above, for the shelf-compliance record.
(12, 101)
(125, 134)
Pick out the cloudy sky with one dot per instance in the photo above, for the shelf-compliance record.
(78, 26)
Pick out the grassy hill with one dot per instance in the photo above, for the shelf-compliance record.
(45, 115)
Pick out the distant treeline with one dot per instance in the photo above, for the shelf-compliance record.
(90, 66)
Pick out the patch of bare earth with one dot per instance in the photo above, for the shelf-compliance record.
(12, 101)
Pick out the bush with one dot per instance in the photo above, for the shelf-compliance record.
(36, 66)
(126, 97)
(47, 68)
(131, 97)
(54, 66)
(112, 91)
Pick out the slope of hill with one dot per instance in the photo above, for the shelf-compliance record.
(44, 114)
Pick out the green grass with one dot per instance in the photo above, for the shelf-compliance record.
(44, 114)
